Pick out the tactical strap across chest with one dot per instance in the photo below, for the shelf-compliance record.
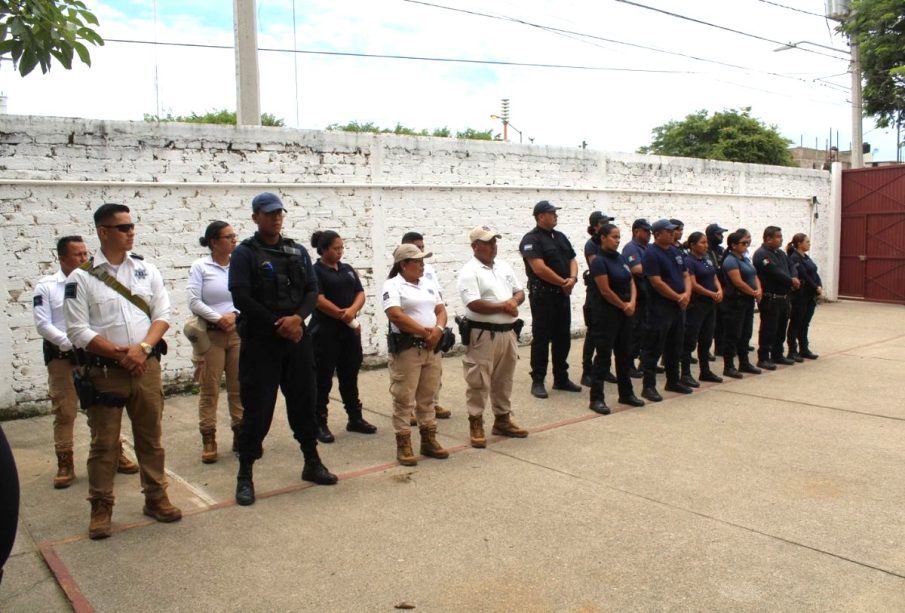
(111, 282)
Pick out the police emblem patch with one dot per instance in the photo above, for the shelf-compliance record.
(141, 273)
(679, 259)
(766, 262)
(70, 290)
(430, 291)
(386, 295)
(38, 300)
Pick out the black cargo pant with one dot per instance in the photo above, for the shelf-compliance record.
(737, 312)
(699, 324)
(802, 310)
(610, 331)
(268, 364)
(337, 349)
(663, 335)
(551, 321)
(774, 319)
(639, 319)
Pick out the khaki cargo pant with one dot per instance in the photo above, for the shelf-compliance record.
(414, 379)
(223, 356)
(64, 401)
(489, 366)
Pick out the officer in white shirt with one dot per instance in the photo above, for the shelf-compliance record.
(417, 317)
(59, 357)
(491, 294)
(123, 341)
(430, 276)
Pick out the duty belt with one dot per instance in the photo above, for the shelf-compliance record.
(481, 325)
(92, 359)
(543, 288)
(52, 352)
(776, 296)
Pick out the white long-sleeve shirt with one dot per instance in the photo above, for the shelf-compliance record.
(48, 310)
(92, 308)
(207, 289)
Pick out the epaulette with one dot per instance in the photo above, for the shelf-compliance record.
(136, 256)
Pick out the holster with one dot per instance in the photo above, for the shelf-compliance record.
(52, 352)
(464, 329)
(397, 342)
(88, 394)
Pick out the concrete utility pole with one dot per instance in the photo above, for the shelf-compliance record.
(248, 89)
(857, 111)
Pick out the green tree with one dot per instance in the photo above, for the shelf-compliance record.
(222, 116)
(472, 134)
(34, 32)
(731, 135)
(879, 28)
(444, 132)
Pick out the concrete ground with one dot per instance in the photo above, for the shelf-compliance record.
(778, 492)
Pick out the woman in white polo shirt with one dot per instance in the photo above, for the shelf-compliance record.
(209, 298)
(417, 317)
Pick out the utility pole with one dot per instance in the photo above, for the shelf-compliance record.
(857, 111)
(248, 90)
(504, 112)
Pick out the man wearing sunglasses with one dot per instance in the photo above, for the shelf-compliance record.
(118, 310)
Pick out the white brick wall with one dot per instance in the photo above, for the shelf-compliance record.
(371, 189)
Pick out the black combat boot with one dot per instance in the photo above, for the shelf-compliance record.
(245, 486)
(314, 469)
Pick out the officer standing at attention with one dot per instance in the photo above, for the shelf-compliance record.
(778, 277)
(552, 273)
(274, 287)
(591, 250)
(634, 253)
(59, 357)
(491, 294)
(117, 310)
(430, 276)
(715, 252)
(664, 267)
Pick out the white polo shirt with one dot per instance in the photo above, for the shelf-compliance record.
(417, 300)
(207, 289)
(48, 310)
(92, 308)
(496, 283)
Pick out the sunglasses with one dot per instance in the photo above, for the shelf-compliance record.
(125, 228)
(744, 242)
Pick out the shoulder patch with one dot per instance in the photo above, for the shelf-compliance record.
(38, 300)
(71, 290)
(631, 258)
(766, 261)
(528, 246)
(386, 295)
(141, 273)
(136, 256)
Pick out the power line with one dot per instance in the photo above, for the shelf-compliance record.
(792, 8)
(719, 27)
(563, 32)
(410, 57)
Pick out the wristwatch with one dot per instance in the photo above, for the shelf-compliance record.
(148, 349)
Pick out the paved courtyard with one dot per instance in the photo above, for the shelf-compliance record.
(784, 492)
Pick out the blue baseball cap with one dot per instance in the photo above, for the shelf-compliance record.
(662, 224)
(266, 202)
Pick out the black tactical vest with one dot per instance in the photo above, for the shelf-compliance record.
(279, 275)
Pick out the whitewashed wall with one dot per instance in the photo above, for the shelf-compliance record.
(371, 189)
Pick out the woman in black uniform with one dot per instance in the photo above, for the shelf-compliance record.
(612, 301)
(336, 334)
(742, 291)
(804, 299)
(701, 313)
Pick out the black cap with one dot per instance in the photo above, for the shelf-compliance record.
(715, 228)
(597, 216)
(641, 224)
(544, 206)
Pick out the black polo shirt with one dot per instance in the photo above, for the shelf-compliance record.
(551, 246)
(338, 285)
(701, 268)
(614, 265)
(669, 265)
(774, 270)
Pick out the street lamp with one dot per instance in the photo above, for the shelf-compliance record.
(507, 125)
(857, 113)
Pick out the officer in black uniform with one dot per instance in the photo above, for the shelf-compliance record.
(552, 273)
(715, 252)
(273, 285)
(778, 278)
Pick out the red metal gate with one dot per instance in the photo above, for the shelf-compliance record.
(872, 250)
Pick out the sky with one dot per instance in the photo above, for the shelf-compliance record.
(620, 69)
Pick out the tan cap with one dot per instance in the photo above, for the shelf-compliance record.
(195, 329)
(483, 233)
(409, 252)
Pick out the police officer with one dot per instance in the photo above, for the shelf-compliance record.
(664, 268)
(804, 299)
(715, 252)
(778, 278)
(59, 357)
(634, 254)
(491, 294)
(430, 276)
(707, 293)
(117, 310)
(273, 285)
(552, 273)
(596, 221)
(336, 333)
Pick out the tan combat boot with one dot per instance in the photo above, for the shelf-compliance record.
(429, 445)
(65, 470)
(413, 421)
(161, 509)
(124, 464)
(101, 516)
(476, 430)
(442, 413)
(208, 447)
(504, 426)
(404, 453)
